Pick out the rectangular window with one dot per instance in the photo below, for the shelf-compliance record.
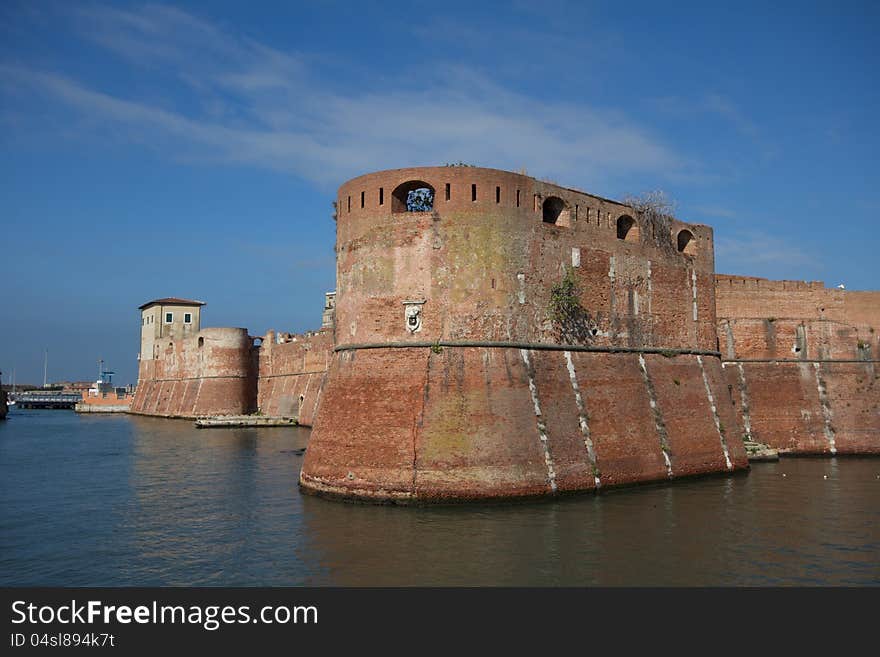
(187, 318)
(363, 194)
(474, 192)
(169, 317)
(349, 203)
(498, 195)
(517, 198)
(448, 191)
(575, 212)
(381, 196)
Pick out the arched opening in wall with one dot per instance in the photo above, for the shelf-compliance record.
(413, 196)
(556, 211)
(686, 243)
(201, 342)
(627, 229)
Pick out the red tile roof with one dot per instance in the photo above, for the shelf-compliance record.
(171, 301)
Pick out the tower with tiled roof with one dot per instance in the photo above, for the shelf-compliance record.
(167, 319)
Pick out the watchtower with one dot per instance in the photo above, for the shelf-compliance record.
(166, 320)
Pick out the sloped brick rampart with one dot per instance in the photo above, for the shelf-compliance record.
(210, 373)
(415, 425)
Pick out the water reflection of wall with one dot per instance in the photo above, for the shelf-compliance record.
(213, 506)
(121, 500)
(755, 529)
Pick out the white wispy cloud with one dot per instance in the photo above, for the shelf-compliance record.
(715, 212)
(758, 250)
(726, 109)
(239, 101)
(711, 104)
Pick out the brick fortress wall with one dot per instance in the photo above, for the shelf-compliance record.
(291, 373)
(483, 400)
(209, 373)
(220, 371)
(801, 362)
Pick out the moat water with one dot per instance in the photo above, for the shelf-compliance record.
(124, 501)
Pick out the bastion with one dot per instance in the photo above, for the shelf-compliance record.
(801, 362)
(501, 337)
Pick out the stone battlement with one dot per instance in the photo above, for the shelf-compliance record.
(369, 202)
(755, 283)
(484, 269)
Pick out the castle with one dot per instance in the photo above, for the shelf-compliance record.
(186, 371)
(496, 336)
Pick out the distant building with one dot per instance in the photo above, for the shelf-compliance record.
(73, 386)
(329, 310)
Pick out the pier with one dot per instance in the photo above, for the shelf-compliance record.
(244, 421)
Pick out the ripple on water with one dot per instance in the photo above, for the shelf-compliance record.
(125, 500)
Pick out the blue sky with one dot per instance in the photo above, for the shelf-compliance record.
(194, 149)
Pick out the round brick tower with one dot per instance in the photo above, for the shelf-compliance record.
(498, 336)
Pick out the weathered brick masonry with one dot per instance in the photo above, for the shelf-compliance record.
(441, 373)
(220, 371)
(209, 373)
(478, 397)
(291, 372)
(801, 363)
